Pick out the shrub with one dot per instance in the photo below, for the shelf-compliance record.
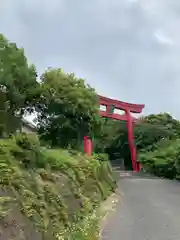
(164, 161)
(51, 191)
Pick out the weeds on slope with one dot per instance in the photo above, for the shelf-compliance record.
(49, 194)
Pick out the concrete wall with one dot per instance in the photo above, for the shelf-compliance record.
(27, 129)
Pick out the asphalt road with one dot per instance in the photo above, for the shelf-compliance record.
(149, 209)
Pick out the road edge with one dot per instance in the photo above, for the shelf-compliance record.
(107, 208)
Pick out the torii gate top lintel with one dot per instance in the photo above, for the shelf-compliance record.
(134, 108)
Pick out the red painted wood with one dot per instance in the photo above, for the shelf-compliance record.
(131, 142)
(134, 108)
(116, 116)
(89, 150)
(87, 145)
(128, 108)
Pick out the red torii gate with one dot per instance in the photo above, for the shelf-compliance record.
(128, 108)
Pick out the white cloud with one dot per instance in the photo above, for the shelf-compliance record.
(125, 49)
(162, 38)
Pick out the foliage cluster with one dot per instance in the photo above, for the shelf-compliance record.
(49, 193)
(159, 150)
(19, 89)
(66, 107)
(148, 132)
(164, 160)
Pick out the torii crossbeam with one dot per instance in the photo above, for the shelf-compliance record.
(128, 108)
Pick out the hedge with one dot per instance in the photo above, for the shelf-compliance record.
(49, 193)
(164, 161)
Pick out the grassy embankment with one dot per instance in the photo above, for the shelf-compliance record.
(50, 194)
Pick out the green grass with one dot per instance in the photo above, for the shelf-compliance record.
(50, 194)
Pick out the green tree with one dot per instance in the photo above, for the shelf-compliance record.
(68, 110)
(148, 132)
(18, 85)
(147, 135)
(166, 120)
(8, 122)
(17, 77)
(106, 135)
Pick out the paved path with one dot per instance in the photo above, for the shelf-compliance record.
(149, 209)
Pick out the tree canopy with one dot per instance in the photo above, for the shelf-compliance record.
(68, 109)
(18, 85)
(148, 132)
(16, 76)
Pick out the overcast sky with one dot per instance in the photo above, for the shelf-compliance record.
(126, 49)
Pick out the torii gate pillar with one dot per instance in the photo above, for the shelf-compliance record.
(128, 108)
